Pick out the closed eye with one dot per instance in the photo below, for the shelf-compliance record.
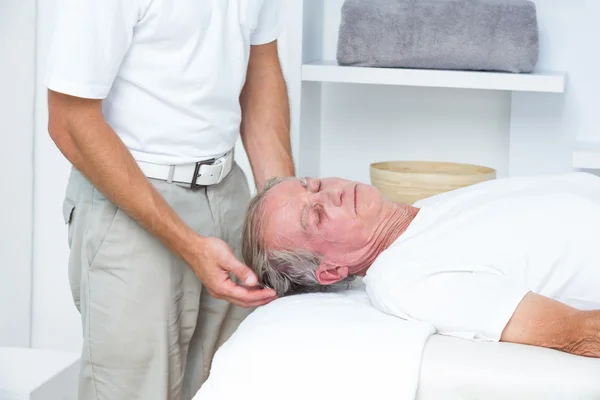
(311, 215)
(319, 215)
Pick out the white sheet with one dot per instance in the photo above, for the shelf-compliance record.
(319, 346)
(338, 346)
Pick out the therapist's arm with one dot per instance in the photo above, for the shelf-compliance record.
(265, 127)
(78, 129)
(540, 321)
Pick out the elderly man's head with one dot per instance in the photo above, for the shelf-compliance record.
(303, 234)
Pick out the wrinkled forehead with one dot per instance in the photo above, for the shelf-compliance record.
(284, 191)
(280, 210)
(282, 197)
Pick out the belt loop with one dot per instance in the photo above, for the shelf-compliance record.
(171, 173)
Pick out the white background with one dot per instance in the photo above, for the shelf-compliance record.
(362, 124)
(17, 63)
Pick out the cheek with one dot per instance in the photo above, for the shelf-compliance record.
(370, 201)
(344, 231)
(368, 212)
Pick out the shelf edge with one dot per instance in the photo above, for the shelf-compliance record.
(323, 72)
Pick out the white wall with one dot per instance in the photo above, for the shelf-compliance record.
(56, 323)
(17, 55)
(545, 128)
(368, 124)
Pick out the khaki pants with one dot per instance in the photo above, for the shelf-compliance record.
(149, 330)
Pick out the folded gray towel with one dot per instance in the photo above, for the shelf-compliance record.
(483, 35)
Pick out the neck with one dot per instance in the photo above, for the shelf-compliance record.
(393, 224)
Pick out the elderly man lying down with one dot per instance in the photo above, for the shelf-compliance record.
(514, 260)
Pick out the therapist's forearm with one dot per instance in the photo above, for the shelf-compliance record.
(265, 127)
(89, 143)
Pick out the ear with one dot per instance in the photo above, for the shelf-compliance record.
(328, 274)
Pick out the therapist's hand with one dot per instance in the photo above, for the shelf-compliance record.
(213, 260)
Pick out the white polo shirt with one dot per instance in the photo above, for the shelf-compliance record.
(170, 71)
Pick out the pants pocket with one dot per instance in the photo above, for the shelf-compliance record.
(68, 208)
(104, 217)
(68, 211)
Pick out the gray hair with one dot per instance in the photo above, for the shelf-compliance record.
(288, 272)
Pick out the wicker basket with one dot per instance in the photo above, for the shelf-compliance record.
(409, 181)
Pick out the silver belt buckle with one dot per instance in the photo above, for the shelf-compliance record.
(193, 184)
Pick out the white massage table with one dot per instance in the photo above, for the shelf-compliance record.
(329, 348)
(459, 369)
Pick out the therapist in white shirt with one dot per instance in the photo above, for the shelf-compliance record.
(146, 100)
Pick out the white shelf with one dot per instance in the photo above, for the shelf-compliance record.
(330, 71)
(586, 159)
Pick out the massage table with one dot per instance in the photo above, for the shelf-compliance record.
(460, 369)
(337, 346)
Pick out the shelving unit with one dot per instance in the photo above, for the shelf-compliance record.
(532, 102)
(586, 160)
(330, 71)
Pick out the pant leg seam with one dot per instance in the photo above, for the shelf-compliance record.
(89, 316)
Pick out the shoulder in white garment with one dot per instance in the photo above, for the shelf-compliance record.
(169, 71)
(472, 260)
